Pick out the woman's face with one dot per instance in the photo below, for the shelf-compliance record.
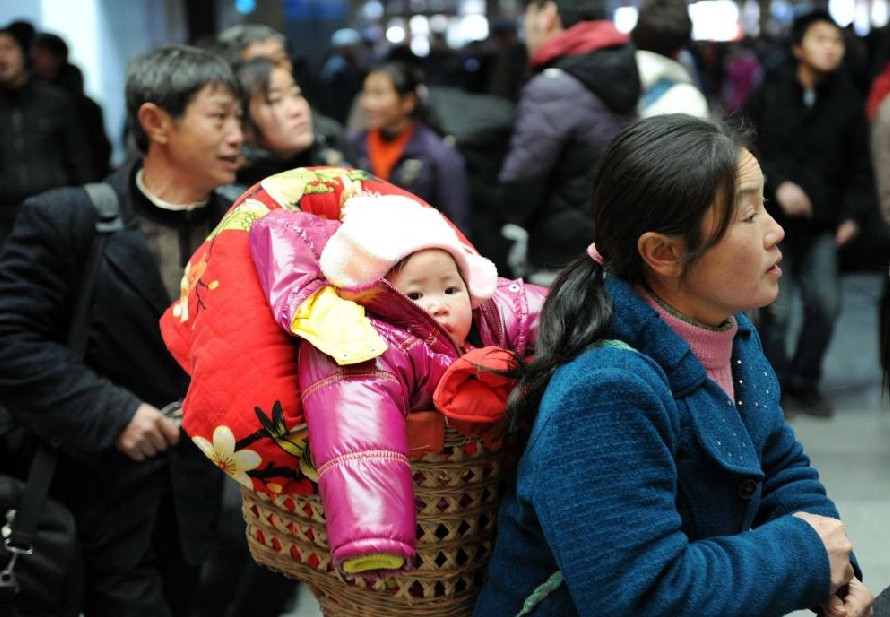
(383, 107)
(740, 272)
(283, 119)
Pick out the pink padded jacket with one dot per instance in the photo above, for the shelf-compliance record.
(356, 413)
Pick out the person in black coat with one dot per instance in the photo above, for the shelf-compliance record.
(144, 498)
(42, 144)
(49, 61)
(814, 149)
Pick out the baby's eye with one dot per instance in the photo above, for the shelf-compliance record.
(414, 296)
(452, 290)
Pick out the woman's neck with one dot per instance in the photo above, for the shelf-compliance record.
(670, 295)
(394, 130)
(712, 346)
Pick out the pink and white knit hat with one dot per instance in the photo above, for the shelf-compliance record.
(379, 230)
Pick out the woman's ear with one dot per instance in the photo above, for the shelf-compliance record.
(155, 122)
(410, 102)
(663, 254)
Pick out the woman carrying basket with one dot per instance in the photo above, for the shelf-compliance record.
(659, 477)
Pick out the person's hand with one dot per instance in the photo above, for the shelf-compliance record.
(846, 232)
(148, 433)
(857, 602)
(837, 544)
(793, 200)
(834, 607)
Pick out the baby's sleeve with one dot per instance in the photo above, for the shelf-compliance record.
(285, 246)
(359, 445)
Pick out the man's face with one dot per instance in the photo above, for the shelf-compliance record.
(538, 24)
(821, 48)
(533, 27)
(45, 64)
(206, 140)
(384, 108)
(12, 61)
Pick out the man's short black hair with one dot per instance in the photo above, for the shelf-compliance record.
(572, 12)
(234, 40)
(52, 43)
(23, 42)
(663, 27)
(23, 32)
(171, 77)
(803, 22)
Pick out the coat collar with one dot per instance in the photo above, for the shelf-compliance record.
(417, 145)
(128, 252)
(722, 430)
(382, 300)
(637, 324)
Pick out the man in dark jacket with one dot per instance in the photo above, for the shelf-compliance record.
(50, 64)
(584, 89)
(42, 144)
(814, 153)
(144, 498)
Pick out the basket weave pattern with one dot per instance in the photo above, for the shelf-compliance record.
(456, 493)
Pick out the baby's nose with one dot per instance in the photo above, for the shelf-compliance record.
(435, 306)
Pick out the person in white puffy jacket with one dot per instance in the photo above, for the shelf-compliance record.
(663, 30)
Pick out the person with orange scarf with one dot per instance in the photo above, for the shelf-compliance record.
(401, 146)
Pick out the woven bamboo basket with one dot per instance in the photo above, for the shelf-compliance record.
(456, 492)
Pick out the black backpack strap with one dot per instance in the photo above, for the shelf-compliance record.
(108, 220)
(18, 533)
(107, 206)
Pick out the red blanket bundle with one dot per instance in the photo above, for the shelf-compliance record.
(243, 404)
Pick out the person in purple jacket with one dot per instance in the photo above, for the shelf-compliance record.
(400, 145)
(411, 297)
(583, 90)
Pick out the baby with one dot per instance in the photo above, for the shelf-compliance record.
(389, 300)
(431, 280)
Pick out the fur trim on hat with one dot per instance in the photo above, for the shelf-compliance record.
(380, 230)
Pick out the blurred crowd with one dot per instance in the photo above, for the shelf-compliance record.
(500, 136)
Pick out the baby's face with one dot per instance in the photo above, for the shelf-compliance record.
(431, 280)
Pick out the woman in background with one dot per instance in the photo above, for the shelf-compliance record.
(400, 145)
(280, 128)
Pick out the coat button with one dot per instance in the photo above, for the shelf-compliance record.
(747, 488)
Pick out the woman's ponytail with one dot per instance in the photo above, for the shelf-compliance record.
(576, 314)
